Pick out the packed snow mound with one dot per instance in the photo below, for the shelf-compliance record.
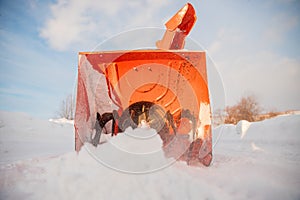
(242, 127)
(134, 151)
(264, 164)
(62, 121)
(138, 141)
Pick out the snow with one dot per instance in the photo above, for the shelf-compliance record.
(23, 137)
(135, 151)
(62, 121)
(242, 127)
(38, 162)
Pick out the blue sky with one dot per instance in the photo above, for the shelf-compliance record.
(254, 44)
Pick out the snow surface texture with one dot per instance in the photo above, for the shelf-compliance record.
(22, 137)
(134, 151)
(263, 164)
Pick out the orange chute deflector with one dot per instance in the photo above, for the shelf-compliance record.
(178, 27)
(176, 80)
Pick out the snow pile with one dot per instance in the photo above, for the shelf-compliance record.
(134, 151)
(80, 176)
(138, 141)
(264, 164)
(242, 127)
(62, 121)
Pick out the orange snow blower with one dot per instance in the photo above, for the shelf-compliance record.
(166, 88)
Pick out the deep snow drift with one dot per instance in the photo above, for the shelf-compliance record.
(251, 161)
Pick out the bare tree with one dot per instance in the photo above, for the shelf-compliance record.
(67, 108)
(247, 108)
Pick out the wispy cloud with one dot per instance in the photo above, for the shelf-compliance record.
(33, 78)
(78, 23)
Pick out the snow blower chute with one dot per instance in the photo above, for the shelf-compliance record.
(166, 88)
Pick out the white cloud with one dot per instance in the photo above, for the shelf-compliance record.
(77, 23)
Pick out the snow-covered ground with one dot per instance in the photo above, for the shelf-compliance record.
(251, 161)
(23, 137)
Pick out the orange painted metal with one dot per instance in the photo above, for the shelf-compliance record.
(178, 27)
(169, 79)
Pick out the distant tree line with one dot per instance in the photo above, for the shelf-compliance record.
(247, 108)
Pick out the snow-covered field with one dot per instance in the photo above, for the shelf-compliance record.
(251, 161)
